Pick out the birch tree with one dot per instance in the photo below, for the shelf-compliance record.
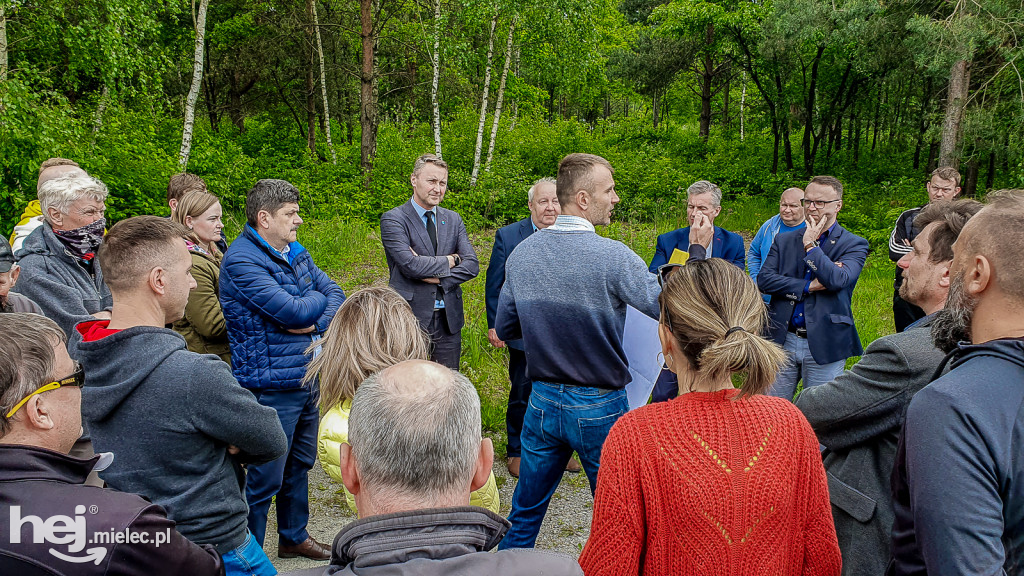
(193, 91)
(501, 94)
(483, 103)
(435, 60)
(3, 41)
(323, 83)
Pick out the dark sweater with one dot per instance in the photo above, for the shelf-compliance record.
(565, 294)
(958, 482)
(169, 415)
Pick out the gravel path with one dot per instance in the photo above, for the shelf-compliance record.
(565, 529)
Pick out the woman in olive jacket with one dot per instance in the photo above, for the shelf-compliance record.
(203, 324)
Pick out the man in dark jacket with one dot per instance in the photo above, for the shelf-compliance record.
(276, 303)
(414, 454)
(59, 271)
(9, 272)
(810, 275)
(957, 489)
(178, 423)
(50, 522)
(544, 209)
(858, 416)
(703, 201)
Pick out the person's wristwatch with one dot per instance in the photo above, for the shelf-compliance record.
(807, 247)
(458, 259)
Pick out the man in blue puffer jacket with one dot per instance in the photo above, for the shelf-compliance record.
(276, 302)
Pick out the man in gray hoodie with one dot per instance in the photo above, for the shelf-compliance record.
(178, 423)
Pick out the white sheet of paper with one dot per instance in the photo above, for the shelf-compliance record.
(641, 344)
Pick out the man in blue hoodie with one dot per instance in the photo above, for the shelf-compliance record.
(179, 425)
(957, 489)
(276, 303)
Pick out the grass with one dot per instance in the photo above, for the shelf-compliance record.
(351, 253)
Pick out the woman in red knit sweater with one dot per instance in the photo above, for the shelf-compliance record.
(719, 480)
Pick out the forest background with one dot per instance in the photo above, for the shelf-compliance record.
(340, 96)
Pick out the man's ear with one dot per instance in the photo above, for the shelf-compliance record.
(37, 414)
(55, 215)
(263, 219)
(944, 278)
(15, 272)
(349, 472)
(979, 275)
(157, 280)
(583, 199)
(484, 463)
(173, 204)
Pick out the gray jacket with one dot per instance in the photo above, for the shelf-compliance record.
(411, 258)
(858, 418)
(52, 278)
(439, 542)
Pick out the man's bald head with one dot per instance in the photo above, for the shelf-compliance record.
(415, 432)
(48, 173)
(790, 209)
(997, 233)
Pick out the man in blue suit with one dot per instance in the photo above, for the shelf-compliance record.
(810, 275)
(544, 209)
(702, 198)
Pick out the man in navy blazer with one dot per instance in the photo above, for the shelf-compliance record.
(544, 209)
(429, 257)
(810, 275)
(702, 197)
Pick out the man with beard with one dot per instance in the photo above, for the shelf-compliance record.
(957, 489)
(857, 416)
(59, 271)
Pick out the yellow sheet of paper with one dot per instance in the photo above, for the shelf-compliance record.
(679, 257)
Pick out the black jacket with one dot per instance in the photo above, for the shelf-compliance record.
(37, 486)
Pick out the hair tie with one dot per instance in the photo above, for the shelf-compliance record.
(733, 329)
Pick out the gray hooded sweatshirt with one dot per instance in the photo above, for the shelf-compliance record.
(169, 416)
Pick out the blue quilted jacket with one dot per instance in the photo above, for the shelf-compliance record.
(264, 294)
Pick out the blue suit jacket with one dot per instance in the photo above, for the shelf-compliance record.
(505, 241)
(831, 334)
(726, 245)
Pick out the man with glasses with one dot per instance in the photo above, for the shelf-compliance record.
(565, 294)
(789, 219)
(810, 275)
(178, 423)
(40, 420)
(944, 184)
(429, 257)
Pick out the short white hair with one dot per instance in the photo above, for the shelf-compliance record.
(705, 187)
(61, 193)
(546, 179)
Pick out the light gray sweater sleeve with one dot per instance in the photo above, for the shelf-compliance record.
(635, 285)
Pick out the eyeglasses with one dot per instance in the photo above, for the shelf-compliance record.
(664, 271)
(819, 204)
(77, 379)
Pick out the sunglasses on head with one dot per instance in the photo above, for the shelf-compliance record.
(77, 379)
(666, 270)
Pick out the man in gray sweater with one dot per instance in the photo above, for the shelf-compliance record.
(565, 294)
(179, 425)
(858, 416)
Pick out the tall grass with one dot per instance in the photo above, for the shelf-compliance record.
(351, 253)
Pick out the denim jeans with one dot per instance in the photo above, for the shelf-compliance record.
(287, 478)
(559, 419)
(248, 560)
(801, 366)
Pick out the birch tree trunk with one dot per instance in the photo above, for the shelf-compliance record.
(435, 60)
(323, 85)
(193, 91)
(959, 82)
(97, 119)
(743, 102)
(501, 95)
(483, 104)
(3, 41)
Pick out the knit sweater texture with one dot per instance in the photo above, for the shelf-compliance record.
(565, 294)
(709, 484)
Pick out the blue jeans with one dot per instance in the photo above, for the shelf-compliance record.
(287, 478)
(801, 366)
(559, 419)
(248, 560)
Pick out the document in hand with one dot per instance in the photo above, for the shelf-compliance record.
(679, 257)
(643, 348)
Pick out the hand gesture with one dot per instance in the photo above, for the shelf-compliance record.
(815, 286)
(492, 335)
(702, 230)
(814, 229)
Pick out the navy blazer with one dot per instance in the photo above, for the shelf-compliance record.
(410, 256)
(831, 333)
(505, 241)
(726, 245)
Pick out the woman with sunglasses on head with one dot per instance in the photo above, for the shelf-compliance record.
(373, 329)
(719, 480)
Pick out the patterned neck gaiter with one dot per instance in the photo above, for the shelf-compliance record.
(83, 242)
